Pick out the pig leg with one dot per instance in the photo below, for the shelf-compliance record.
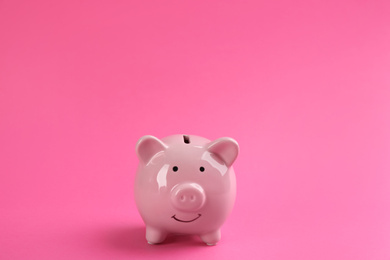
(154, 235)
(211, 238)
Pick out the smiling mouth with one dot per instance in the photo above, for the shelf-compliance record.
(186, 221)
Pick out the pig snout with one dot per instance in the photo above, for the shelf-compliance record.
(189, 197)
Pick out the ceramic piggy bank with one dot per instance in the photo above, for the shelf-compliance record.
(185, 184)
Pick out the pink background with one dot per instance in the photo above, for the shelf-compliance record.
(303, 86)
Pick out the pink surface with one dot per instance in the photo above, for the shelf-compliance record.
(303, 86)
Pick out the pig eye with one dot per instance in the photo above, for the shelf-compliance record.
(175, 168)
(201, 169)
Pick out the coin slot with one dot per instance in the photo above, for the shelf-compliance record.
(186, 139)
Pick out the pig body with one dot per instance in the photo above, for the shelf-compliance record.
(185, 185)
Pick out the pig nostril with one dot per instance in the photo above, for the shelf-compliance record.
(182, 198)
(192, 198)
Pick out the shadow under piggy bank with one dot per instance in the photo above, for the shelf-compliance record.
(132, 239)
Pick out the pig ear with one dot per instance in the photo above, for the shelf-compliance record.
(226, 148)
(148, 146)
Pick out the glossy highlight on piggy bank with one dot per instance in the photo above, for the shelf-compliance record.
(185, 184)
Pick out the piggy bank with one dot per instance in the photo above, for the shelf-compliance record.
(185, 184)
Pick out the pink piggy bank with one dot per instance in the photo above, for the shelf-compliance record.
(185, 184)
